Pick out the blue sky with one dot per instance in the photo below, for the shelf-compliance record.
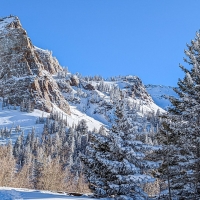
(112, 37)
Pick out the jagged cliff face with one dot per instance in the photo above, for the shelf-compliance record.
(26, 71)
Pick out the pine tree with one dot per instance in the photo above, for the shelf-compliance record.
(115, 164)
(185, 133)
(172, 154)
(19, 149)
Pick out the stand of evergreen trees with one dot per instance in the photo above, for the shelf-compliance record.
(55, 156)
(115, 164)
(49, 162)
(179, 133)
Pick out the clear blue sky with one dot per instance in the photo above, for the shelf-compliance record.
(112, 37)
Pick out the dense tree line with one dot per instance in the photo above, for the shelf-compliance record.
(59, 150)
(49, 162)
(115, 164)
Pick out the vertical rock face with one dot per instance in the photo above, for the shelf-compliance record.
(26, 71)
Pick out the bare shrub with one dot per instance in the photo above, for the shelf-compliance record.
(7, 166)
(23, 178)
(49, 175)
(52, 176)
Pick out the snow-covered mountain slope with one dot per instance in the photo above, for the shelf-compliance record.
(95, 106)
(15, 121)
(7, 193)
(96, 98)
(159, 94)
(32, 78)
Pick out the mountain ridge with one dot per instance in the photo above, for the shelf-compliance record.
(34, 74)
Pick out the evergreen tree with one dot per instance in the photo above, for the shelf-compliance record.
(174, 158)
(115, 164)
(184, 128)
(19, 149)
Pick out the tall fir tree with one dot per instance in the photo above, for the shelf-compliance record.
(183, 127)
(114, 163)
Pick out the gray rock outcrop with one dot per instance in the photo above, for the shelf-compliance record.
(25, 70)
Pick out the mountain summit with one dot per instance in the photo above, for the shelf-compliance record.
(26, 71)
(30, 74)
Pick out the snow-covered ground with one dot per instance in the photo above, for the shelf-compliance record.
(10, 119)
(7, 193)
(101, 100)
(77, 115)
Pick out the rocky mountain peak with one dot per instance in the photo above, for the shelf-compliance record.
(25, 70)
(9, 22)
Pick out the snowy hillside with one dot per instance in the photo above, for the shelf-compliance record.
(159, 94)
(7, 193)
(95, 107)
(96, 98)
(40, 83)
(12, 120)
